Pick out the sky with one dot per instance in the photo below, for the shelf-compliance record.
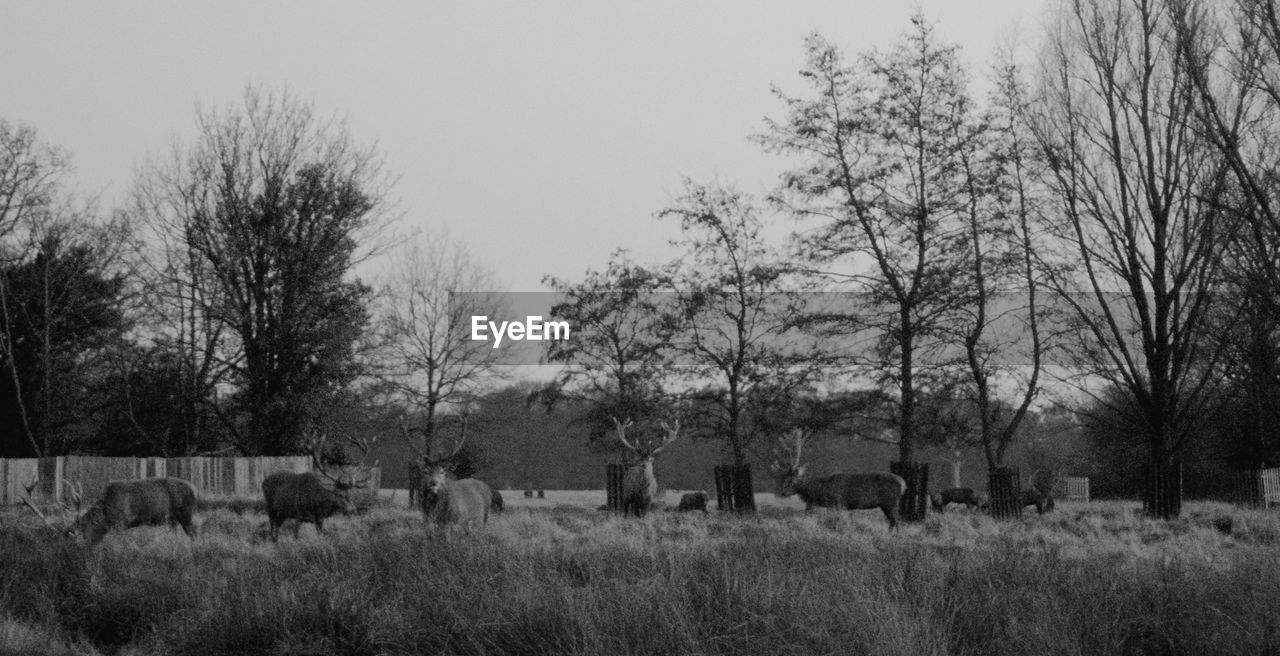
(543, 135)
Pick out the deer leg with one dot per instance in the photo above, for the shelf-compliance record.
(891, 514)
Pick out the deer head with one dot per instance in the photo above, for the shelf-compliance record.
(340, 483)
(435, 468)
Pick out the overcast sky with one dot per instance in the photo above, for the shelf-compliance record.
(543, 134)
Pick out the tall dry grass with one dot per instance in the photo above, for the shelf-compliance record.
(1092, 579)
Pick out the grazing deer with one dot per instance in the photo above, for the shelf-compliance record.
(846, 491)
(694, 501)
(146, 502)
(962, 495)
(305, 498)
(308, 497)
(1039, 494)
(639, 486)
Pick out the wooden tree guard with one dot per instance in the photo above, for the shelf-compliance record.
(734, 491)
(1005, 486)
(1163, 494)
(613, 485)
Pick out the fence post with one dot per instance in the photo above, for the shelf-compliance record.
(1005, 485)
(613, 485)
(915, 500)
(1163, 497)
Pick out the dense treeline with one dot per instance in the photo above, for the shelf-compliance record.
(1097, 234)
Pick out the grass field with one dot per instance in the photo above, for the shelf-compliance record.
(555, 576)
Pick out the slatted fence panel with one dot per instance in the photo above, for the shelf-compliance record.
(18, 472)
(1072, 488)
(92, 473)
(240, 477)
(1270, 486)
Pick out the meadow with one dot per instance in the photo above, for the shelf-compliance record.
(555, 576)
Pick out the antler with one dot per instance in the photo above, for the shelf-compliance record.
(622, 433)
(456, 448)
(26, 501)
(790, 447)
(672, 431)
(404, 431)
(75, 493)
(317, 447)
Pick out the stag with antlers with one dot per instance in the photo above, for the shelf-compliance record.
(841, 491)
(308, 497)
(639, 486)
(445, 500)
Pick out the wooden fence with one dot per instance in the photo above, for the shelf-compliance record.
(229, 477)
(1255, 488)
(1072, 488)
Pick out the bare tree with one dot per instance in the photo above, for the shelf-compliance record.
(31, 176)
(881, 177)
(62, 300)
(617, 360)
(734, 316)
(1138, 190)
(1001, 317)
(434, 288)
(180, 294)
(266, 214)
(1231, 52)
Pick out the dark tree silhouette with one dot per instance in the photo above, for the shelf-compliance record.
(271, 208)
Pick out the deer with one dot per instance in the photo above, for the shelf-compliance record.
(639, 486)
(962, 495)
(308, 497)
(145, 502)
(445, 500)
(694, 501)
(843, 491)
(1039, 495)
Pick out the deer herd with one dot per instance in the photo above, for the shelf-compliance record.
(446, 501)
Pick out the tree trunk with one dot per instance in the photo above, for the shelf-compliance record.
(915, 500)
